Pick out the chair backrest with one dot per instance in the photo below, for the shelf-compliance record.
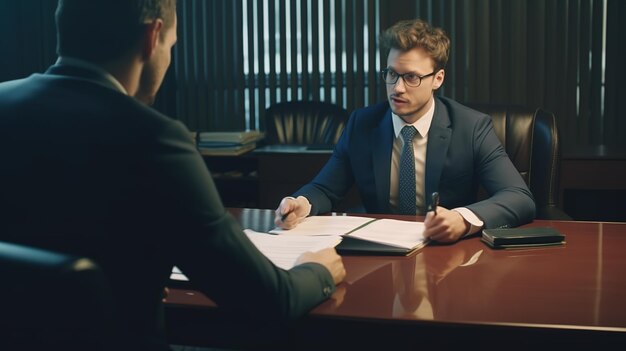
(51, 301)
(304, 123)
(531, 139)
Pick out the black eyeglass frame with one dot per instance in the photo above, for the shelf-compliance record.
(384, 72)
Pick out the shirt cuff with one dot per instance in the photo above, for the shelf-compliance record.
(475, 223)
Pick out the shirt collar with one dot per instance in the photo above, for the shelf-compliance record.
(72, 61)
(422, 124)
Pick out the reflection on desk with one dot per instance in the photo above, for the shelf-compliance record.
(451, 296)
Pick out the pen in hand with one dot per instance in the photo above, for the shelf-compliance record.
(435, 202)
(284, 216)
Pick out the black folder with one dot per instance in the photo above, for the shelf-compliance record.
(354, 246)
(522, 237)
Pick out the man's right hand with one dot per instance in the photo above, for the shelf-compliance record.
(328, 258)
(291, 211)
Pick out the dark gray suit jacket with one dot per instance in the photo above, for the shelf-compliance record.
(462, 152)
(87, 170)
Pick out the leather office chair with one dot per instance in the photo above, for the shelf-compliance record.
(531, 140)
(304, 123)
(52, 301)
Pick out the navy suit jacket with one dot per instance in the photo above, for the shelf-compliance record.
(89, 171)
(463, 151)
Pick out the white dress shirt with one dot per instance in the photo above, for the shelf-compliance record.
(420, 143)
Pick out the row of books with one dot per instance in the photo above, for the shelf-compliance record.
(227, 143)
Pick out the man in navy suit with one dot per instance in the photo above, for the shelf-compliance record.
(88, 169)
(453, 150)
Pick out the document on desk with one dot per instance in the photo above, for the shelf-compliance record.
(364, 234)
(284, 250)
(325, 225)
(401, 234)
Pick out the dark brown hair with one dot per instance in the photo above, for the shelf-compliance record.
(102, 30)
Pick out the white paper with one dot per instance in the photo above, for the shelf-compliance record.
(324, 225)
(284, 250)
(405, 234)
(178, 275)
(392, 232)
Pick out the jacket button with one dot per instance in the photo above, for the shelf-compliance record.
(327, 291)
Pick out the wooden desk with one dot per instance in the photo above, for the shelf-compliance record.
(452, 296)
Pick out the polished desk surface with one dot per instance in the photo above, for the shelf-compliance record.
(578, 289)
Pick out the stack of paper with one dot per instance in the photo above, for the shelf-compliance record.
(282, 250)
(228, 143)
(363, 234)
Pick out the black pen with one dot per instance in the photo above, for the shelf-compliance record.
(435, 202)
(284, 216)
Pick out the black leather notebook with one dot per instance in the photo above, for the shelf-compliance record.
(522, 237)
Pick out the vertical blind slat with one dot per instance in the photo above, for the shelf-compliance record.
(584, 71)
(293, 59)
(315, 39)
(615, 73)
(536, 49)
(518, 49)
(548, 94)
(560, 47)
(372, 32)
(304, 49)
(194, 59)
(497, 55)
(237, 119)
(572, 71)
(339, 32)
(271, 24)
(251, 84)
(360, 88)
(349, 51)
(596, 127)
(282, 31)
(261, 78)
(222, 86)
(327, 57)
(456, 57)
(203, 68)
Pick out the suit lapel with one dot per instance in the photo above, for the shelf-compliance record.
(437, 149)
(382, 136)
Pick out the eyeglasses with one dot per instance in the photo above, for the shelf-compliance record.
(410, 78)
